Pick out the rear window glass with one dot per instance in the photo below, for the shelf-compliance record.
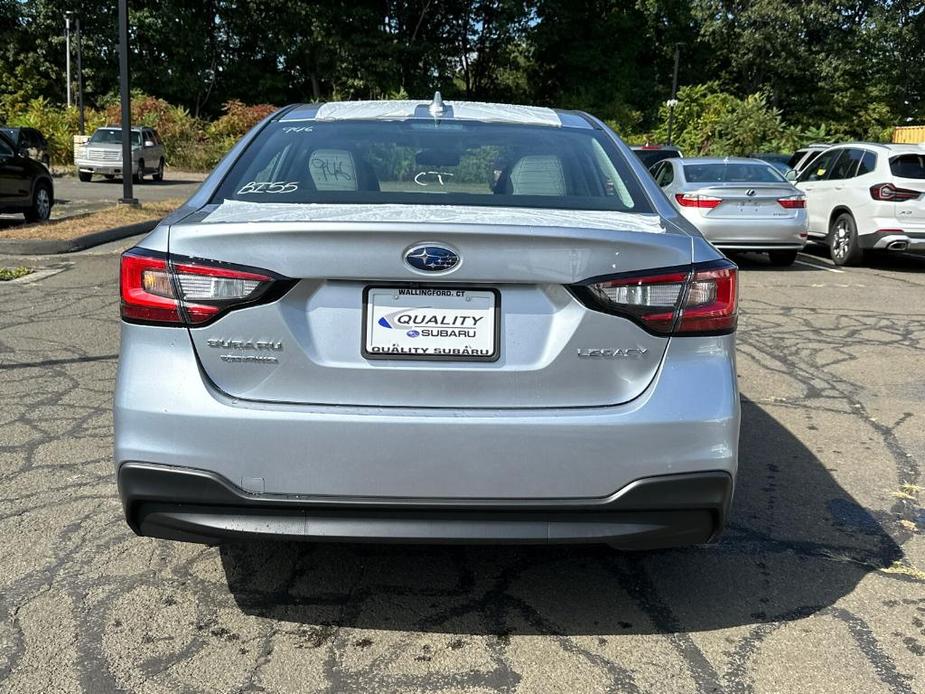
(650, 157)
(418, 162)
(731, 173)
(908, 166)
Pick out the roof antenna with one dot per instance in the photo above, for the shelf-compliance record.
(436, 108)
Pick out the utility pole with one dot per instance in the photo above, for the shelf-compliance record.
(126, 96)
(67, 50)
(673, 101)
(80, 83)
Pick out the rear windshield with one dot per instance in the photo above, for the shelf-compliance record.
(420, 162)
(113, 137)
(731, 173)
(651, 157)
(908, 166)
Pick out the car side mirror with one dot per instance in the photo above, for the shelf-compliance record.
(791, 175)
(149, 143)
(24, 152)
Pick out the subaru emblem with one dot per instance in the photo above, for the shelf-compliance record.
(429, 258)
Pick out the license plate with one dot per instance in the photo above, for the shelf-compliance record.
(444, 323)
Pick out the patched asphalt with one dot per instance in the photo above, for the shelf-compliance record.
(818, 585)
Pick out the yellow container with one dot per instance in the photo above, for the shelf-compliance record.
(909, 134)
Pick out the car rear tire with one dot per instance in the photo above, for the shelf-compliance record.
(140, 171)
(843, 241)
(159, 174)
(782, 258)
(42, 202)
(84, 176)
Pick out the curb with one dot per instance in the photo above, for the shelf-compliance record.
(55, 246)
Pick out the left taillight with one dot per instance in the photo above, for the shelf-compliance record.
(179, 291)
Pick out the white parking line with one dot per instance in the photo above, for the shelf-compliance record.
(818, 267)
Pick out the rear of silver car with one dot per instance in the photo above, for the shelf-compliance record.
(427, 373)
(739, 205)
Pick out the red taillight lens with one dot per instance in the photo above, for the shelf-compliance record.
(793, 202)
(694, 200)
(700, 301)
(712, 302)
(184, 292)
(887, 192)
(147, 290)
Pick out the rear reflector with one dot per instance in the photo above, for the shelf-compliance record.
(697, 301)
(186, 292)
(694, 200)
(887, 192)
(793, 202)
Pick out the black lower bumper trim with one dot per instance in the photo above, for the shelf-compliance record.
(198, 506)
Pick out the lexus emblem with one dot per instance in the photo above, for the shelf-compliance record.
(751, 192)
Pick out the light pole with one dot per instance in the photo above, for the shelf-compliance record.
(126, 96)
(80, 83)
(673, 101)
(67, 50)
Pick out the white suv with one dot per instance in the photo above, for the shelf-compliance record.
(866, 197)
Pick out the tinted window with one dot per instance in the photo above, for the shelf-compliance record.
(733, 172)
(908, 166)
(820, 166)
(795, 159)
(111, 136)
(5, 149)
(868, 163)
(665, 174)
(11, 133)
(846, 165)
(649, 157)
(412, 161)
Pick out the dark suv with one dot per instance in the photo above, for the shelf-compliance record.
(29, 142)
(25, 184)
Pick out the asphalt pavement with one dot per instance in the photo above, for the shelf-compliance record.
(818, 585)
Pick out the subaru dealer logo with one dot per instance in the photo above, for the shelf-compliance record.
(431, 258)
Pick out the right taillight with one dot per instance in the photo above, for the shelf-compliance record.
(792, 202)
(694, 200)
(702, 300)
(165, 291)
(887, 192)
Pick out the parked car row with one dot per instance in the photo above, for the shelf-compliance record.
(855, 198)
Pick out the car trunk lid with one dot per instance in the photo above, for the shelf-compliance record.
(313, 337)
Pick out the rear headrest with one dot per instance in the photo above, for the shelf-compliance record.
(333, 169)
(538, 175)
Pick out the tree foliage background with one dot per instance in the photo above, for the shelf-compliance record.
(755, 73)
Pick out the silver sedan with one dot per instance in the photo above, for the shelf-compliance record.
(737, 204)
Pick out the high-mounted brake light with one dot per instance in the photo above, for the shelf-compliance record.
(185, 292)
(887, 192)
(702, 300)
(695, 200)
(792, 202)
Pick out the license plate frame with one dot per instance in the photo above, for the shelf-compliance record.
(495, 322)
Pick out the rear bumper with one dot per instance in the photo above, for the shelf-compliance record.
(198, 506)
(893, 240)
(758, 234)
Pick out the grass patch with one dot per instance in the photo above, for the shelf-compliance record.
(14, 273)
(72, 227)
